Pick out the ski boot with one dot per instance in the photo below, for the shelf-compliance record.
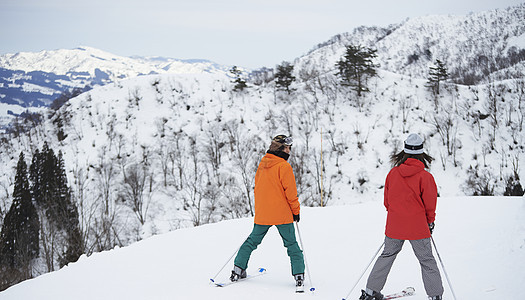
(237, 273)
(435, 298)
(299, 283)
(373, 296)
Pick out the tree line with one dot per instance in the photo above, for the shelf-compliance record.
(41, 227)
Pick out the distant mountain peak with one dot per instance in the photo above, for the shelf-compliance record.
(49, 73)
(88, 59)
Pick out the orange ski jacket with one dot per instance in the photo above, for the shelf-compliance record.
(276, 198)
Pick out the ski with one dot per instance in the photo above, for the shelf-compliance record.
(260, 272)
(409, 291)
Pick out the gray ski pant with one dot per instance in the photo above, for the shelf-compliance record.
(422, 250)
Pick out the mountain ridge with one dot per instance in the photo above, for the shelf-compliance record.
(196, 139)
(84, 59)
(35, 79)
(460, 41)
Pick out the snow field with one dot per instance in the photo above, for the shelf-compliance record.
(481, 241)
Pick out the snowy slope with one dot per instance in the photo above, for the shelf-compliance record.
(472, 45)
(481, 241)
(162, 116)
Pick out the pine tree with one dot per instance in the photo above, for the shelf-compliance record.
(284, 76)
(61, 236)
(19, 238)
(69, 216)
(356, 67)
(240, 83)
(513, 187)
(436, 75)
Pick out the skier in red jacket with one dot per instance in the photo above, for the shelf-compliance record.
(410, 200)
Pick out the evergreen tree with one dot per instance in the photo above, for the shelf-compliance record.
(44, 183)
(240, 83)
(436, 75)
(53, 196)
(284, 76)
(356, 67)
(513, 187)
(69, 214)
(19, 242)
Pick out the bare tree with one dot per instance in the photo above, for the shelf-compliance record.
(245, 156)
(86, 207)
(162, 154)
(404, 106)
(106, 236)
(177, 159)
(492, 107)
(192, 188)
(232, 192)
(519, 85)
(48, 242)
(445, 124)
(133, 190)
(213, 147)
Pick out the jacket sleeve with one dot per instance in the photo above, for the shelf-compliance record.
(429, 196)
(290, 189)
(387, 181)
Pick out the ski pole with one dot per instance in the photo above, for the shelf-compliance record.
(362, 274)
(304, 255)
(229, 259)
(443, 266)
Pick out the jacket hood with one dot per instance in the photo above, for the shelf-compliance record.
(411, 167)
(270, 160)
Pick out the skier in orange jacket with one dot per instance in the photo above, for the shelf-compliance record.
(276, 203)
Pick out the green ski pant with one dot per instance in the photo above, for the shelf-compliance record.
(287, 232)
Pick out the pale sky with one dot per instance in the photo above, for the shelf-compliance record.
(247, 33)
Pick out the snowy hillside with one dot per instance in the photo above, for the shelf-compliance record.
(33, 80)
(474, 47)
(193, 135)
(481, 241)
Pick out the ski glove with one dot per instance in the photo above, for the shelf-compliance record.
(296, 218)
(431, 227)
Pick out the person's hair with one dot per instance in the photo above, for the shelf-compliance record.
(275, 146)
(401, 157)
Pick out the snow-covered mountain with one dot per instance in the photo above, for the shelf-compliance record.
(478, 47)
(199, 142)
(36, 79)
(481, 242)
(86, 61)
(196, 140)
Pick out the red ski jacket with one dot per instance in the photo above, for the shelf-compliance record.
(410, 199)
